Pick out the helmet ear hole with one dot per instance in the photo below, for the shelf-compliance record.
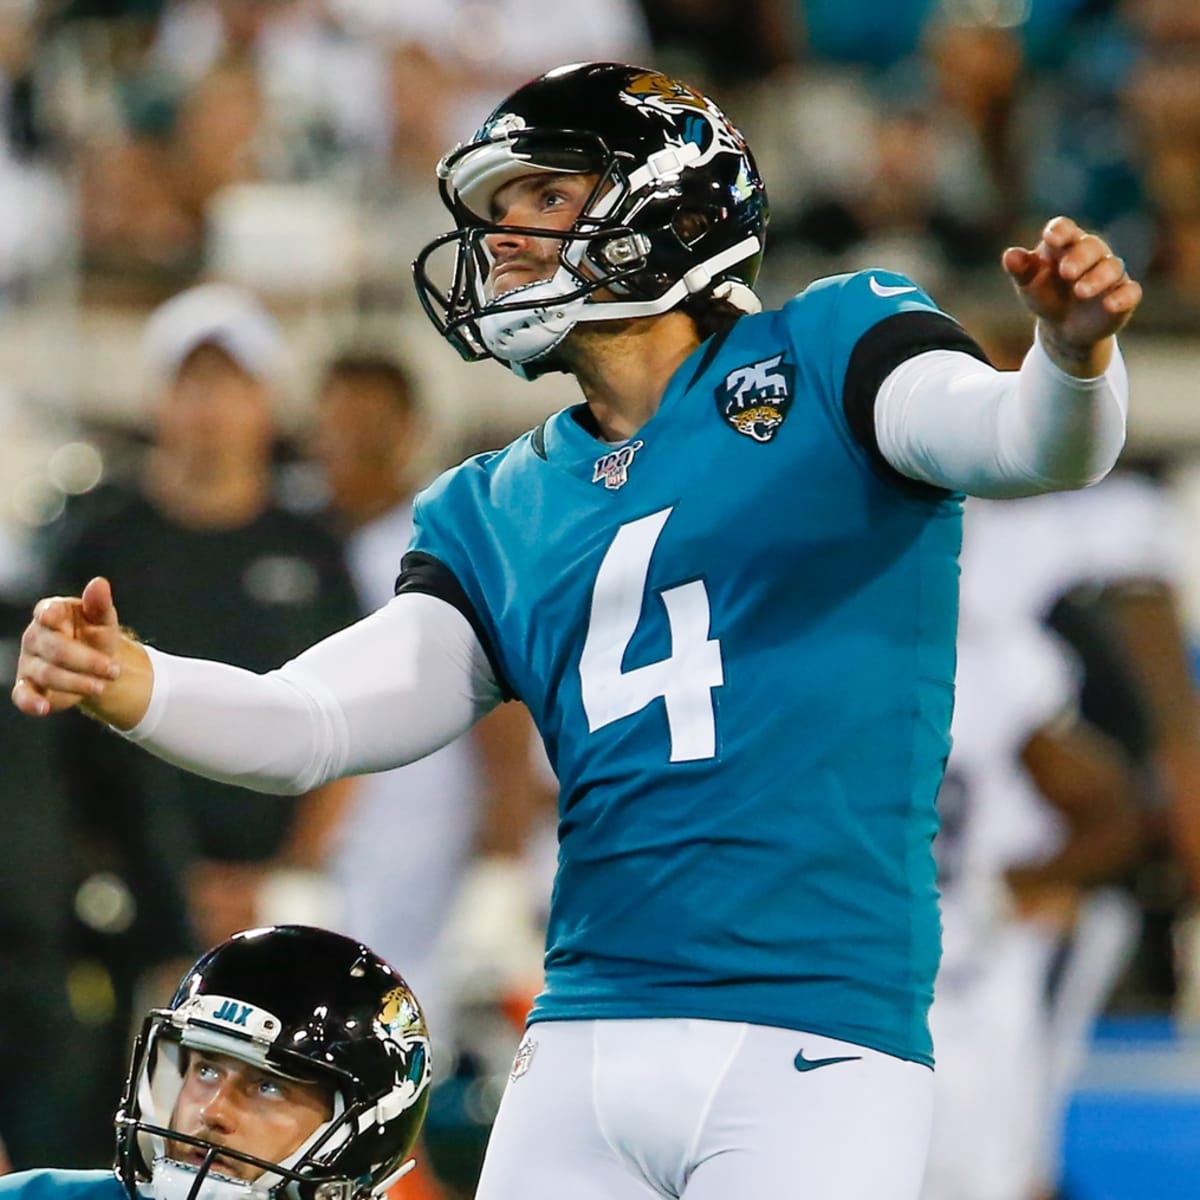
(690, 225)
(621, 253)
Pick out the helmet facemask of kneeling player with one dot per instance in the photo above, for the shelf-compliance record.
(676, 217)
(284, 1031)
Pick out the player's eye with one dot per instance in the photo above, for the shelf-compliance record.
(554, 195)
(271, 1088)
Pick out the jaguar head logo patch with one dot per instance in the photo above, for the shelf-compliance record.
(755, 399)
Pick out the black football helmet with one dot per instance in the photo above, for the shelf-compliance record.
(306, 1004)
(678, 212)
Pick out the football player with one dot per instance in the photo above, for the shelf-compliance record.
(725, 586)
(1073, 561)
(291, 1062)
(1036, 809)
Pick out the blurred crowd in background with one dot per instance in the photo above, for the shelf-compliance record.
(153, 142)
(217, 388)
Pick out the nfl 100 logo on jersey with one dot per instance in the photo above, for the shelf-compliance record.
(755, 399)
(613, 468)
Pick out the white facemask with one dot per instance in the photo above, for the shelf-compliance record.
(522, 335)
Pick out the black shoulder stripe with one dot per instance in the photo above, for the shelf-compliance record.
(538, 441)
(878, 353)
(429, 576)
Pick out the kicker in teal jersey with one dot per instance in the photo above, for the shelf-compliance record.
(736, 634)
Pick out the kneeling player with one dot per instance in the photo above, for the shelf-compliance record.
(290, 1062)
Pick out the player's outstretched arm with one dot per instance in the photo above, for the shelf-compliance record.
(389, 689)
(73, 652)
(946, 419)
(1079, 291)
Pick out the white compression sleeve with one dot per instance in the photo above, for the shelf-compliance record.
(389, 689)
(945, 418)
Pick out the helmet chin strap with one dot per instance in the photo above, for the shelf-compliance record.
(524, 335)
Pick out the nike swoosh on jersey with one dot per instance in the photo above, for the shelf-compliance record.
(811, 1064)
(886, 290)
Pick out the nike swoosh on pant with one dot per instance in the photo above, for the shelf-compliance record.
(811, 1064)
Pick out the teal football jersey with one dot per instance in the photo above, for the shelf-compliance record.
(736, 635)
(46, 1184)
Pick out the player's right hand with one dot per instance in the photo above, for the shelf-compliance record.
(68, 652)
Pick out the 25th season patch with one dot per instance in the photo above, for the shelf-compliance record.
(755, 399)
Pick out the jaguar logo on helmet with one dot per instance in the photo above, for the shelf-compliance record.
(705, 125)
(400, 1016)
(651, 86)
(754, 399)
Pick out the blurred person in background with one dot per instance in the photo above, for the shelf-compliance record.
(1037, 808)
(937, 185)
(463, 914)
(218, 565)
(1143, 604)
(34, 205)
(202, 522)
(1105, 569)
(148, 178)
(1072, 129)
(860, 34)
(321, 81)
(1095, 569)
(729, 46)
(445, 64)
(212, 95)
(45, 1075)
(1121, 567)
(482, 51)
(1162, 96)
(256, 1076)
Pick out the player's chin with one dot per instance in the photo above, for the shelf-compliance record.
(194, 1156)
(509, 280)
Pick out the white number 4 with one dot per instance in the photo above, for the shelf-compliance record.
(684, 680)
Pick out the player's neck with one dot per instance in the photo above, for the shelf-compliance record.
(623, 368)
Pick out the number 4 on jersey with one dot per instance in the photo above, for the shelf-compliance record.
(684, 680)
